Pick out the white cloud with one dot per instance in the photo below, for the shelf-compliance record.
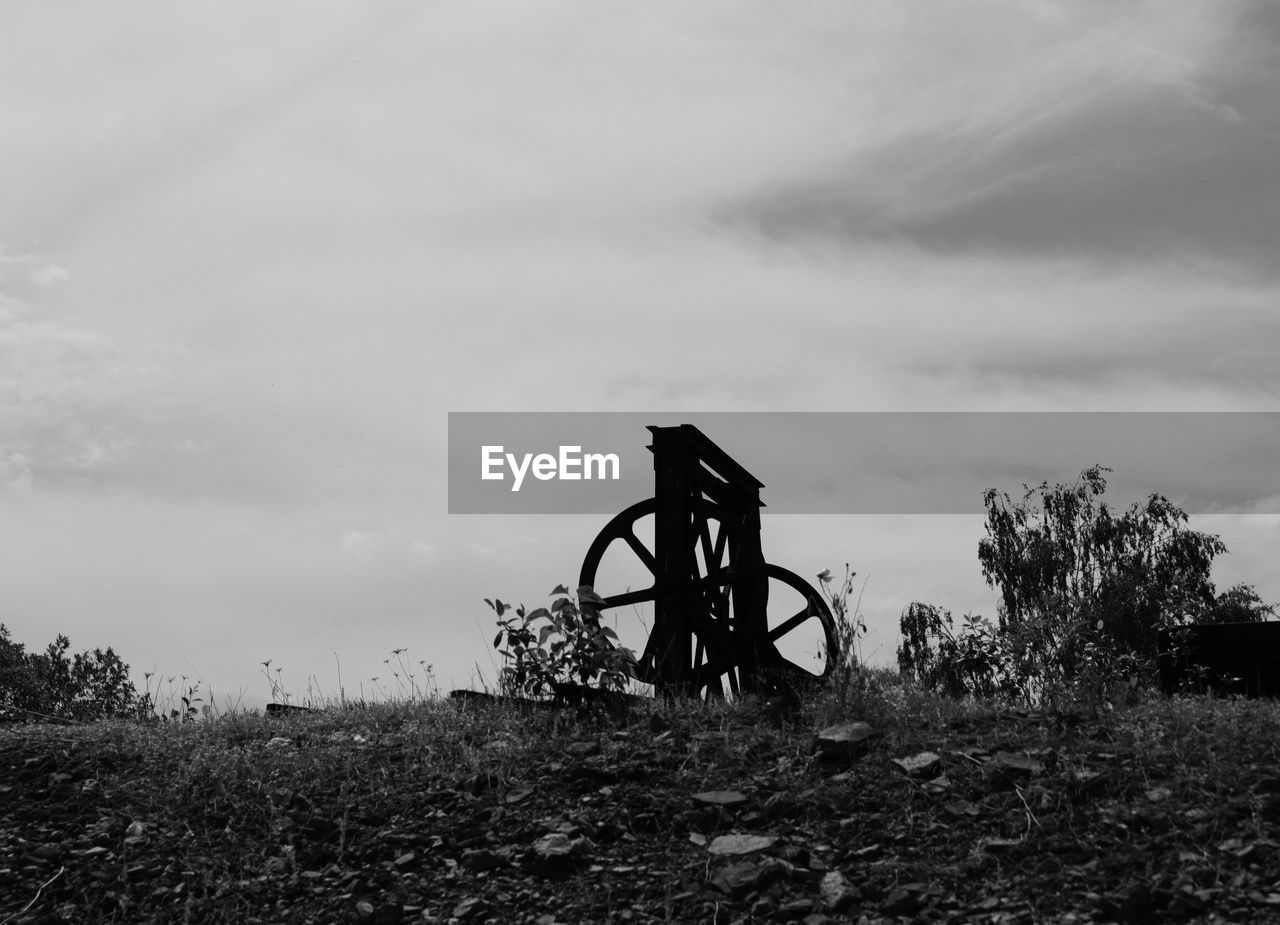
(15, 469)
(361, 543)
(371, 544)
(49, 275)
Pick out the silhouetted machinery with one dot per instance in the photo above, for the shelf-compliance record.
(712, 625)
(1226, 658)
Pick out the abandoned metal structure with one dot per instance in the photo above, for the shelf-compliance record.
(710, 593)
(1226, 658)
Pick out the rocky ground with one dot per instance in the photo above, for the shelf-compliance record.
(470, 813)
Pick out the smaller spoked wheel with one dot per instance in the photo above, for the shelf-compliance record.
(725, 656)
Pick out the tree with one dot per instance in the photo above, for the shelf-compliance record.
(1063, 558)
(1084, 592)
(87, 686)
(19, 684)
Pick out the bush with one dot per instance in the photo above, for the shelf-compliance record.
(1084, 594)
(566, 644)
(49, 685)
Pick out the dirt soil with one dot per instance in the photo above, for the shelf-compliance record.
(991, 817)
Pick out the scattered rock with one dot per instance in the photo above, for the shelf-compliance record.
(795, 909)
(1086, 783)
(742, 877)
(479, 859)
(555, 852)
(837, 892)
(1003, 846)
(906, 899)
(469, 908)
(582, 749)
(741, 844)
(940, 784)
(518, 794)
(923, 765)
(962, 808)
(844, 743)
(720, 798)
(1020, 765)
(1005, 770)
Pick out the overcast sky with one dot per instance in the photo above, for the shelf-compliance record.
(253, 254)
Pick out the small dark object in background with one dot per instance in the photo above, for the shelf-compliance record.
(284, 709)
(565, 695)
(1226, 658)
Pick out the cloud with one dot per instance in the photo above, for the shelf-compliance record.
(19, 272)
(15, 469)
(389, 545)
(360, 543)
(49, 275)
(1111, 180)
(77, 402)
(1088, 161)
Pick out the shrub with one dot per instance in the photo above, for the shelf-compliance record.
(87, 686)
(1084, 594)
(566, 644)
(1066, 561)
(975, 661)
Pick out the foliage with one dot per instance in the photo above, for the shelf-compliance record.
(1239, 604)
(846, 674)
(567, 643)
(1060, 556)
(50, 685)
(1084, 594)
(974, 660)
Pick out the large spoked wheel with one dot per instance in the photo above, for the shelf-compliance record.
(796, 612)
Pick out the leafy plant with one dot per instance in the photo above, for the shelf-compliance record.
(1084, 594)
(50, 685)
(1060, 556)
(972, 660)
(563, 644)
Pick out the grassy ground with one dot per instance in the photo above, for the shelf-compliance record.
(436, 811)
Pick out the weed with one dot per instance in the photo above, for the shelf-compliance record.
(567, 643)
(847, 677)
